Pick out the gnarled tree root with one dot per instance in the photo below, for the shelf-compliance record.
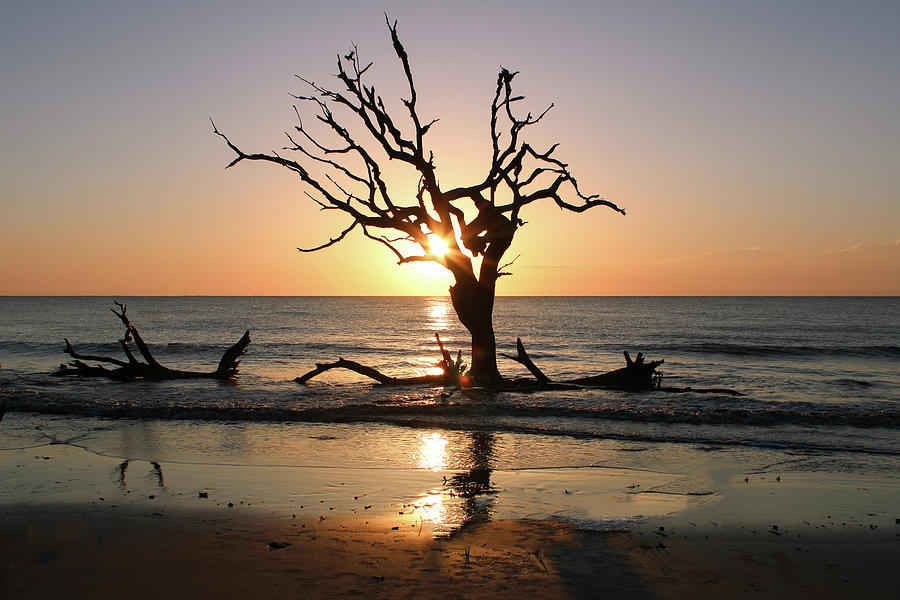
(150, 369)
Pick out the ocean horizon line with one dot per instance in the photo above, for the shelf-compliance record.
(129, 295)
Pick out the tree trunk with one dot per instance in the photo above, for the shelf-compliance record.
(484, 356)
(474, 305)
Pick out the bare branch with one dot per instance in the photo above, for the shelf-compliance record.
(385, 242)
(332, 241)
(500, 270)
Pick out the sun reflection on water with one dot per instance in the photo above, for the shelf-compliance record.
(432, 452)
(438, 319)
(438, 313)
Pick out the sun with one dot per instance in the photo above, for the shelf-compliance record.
(437, 245)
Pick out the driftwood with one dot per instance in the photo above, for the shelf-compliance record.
(636, 375)
(449, 375)
(522, 357)
(378, 376)
(132, 368)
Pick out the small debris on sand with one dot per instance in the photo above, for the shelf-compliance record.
(278, 545)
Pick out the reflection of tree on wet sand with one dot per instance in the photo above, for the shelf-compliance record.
(475, 483)
(155, 474)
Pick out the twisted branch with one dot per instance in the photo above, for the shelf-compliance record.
(361, 190)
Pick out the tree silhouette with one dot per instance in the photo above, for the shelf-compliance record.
(476, 222)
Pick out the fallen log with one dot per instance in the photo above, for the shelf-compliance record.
(371, 373)
(132, 368)
(450, 374)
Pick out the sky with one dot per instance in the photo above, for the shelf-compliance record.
(755, 145)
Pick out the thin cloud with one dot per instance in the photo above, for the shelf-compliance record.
(864, 245)
(545, 267)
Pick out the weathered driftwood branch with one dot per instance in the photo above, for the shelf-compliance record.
(371, 373)
(451, 371)
(522, 357)
(150, 369)
(635, 375)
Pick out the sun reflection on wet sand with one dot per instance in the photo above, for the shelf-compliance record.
(431, 508)
(467, 494)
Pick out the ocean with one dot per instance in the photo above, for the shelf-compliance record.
(815, 374)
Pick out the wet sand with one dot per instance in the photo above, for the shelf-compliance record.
(154, 555)
(75, 524)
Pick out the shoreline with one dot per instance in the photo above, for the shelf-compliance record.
(73, 522)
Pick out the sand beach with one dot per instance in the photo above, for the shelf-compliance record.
(74, 523)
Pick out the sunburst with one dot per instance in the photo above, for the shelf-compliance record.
(437, 246)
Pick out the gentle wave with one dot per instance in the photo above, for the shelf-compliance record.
(756, 350)
(529, 421)
(327, 350)
(709, 411)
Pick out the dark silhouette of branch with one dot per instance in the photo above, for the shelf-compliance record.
(150, 369)
(372, 374)
(523, 358)
(332, 241)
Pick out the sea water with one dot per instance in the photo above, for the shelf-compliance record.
(818, 381)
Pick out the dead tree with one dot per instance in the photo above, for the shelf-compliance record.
(132, 368)
(476, 222)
